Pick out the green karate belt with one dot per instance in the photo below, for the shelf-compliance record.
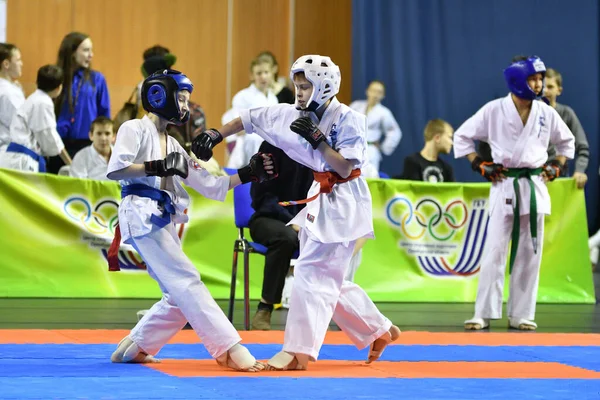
(523, 173)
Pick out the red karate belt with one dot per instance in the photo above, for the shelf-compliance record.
(327, 180)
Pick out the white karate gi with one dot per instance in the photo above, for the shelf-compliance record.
(89, 164)
(246, 145)
(514, 146)
(330, 227)
(33, 126)
(185, 297)
(11, 98)
(381, 124)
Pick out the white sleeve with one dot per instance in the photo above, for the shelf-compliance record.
(42, 123)
(392, 132)
(126, 147)
(472, 129)
(7, 112)
(260, 120)
(78, 166)
(562, 137)
(351, 137)
(202, 181)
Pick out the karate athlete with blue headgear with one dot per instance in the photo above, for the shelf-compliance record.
(152, 167)
(518, 128)
(330, 138)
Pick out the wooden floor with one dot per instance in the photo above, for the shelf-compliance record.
(121, 314)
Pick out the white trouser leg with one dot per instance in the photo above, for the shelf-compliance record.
(158, 325)
(187, 299)
(525, 275)
(488, 304)
(318, 277)
(359, 318)
(353, 267)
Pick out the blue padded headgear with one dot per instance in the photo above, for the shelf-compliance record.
(159, 95)
(517, 73)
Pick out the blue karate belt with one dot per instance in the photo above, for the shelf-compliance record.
(19, 148)
(163, 200)
(160, 196)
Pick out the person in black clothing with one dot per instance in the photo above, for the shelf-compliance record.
(268, 227)
(426, 165)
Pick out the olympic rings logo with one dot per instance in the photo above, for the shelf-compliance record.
(428, 215)
(101, 220)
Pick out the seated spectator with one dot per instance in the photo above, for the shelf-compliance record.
(91, 161)
(11, 92)
(33, 133)
(426, 164)
(268, 227)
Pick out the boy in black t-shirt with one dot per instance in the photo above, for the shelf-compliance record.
(426, 165)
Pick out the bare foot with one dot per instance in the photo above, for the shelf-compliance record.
(379, 345)
(129, 352)
(284, 361)
(257, 367)
(239, 358)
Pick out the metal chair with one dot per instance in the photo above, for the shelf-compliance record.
(242, 209)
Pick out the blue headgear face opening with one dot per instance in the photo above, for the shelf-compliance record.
(517, 73)
(159, 95)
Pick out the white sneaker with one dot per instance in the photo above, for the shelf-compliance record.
(287, 291)
(522, 324)
(477, 324)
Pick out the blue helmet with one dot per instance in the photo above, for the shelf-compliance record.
(159, 95)
(516, 75)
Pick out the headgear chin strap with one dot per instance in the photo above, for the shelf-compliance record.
(324, 75)
(159, 95)
(516, 75)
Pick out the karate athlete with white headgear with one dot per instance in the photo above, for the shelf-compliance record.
(152, 167)
(519, 129)
(328, 137)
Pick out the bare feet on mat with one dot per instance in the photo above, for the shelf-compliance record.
(239, 358)
(379, 345)
(284, 361)
(129, 352)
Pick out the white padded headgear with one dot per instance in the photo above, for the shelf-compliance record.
(324, 75)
